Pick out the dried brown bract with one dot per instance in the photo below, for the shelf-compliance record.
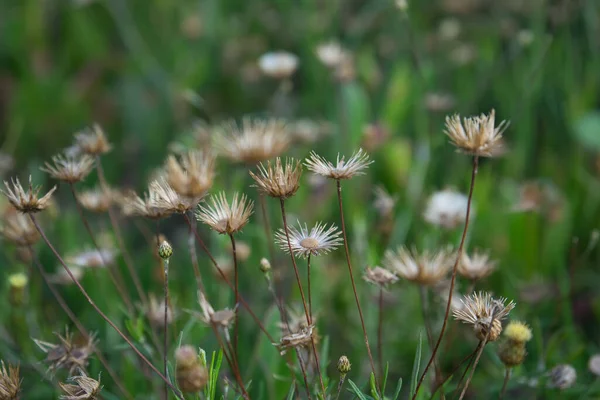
(303, 338)
(68, 168)
(192, 175)
(342, 169)
(220, 319)
(477, 135)
(26, 201)
(92, 141)
(278, 180)
(223, 217)
(168, 200)
(485, 313)
(67, 354)
(424, 268)
(136, 206)
(84, 388)
(10, 382)
(379, 276)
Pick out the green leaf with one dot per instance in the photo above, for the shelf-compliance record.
(357, 391)
(416, 366)
(398, 389)
(385, 376)
(290, 395)
(587, 130)
(374, 391)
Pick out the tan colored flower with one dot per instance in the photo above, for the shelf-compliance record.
(319, 240)
(156, 311)
(331, 54)
(135, 206)
(96, 200)
(343, 169)
(10, 382)
(446, 208)
(168, 200)
(92, 258)
(424, 268)
(476, 266)
(277, 180)
(279, 64)
(18, 229)
(223, 217)
(191, 374)
(303, 338)
(85, 388)
(485, 313)
(67, 354)
(192, 175)
(384, 202)
(477, 135)
(26, 201)
(69, 168)
(221, 319)
(92, 141)
(379, 276)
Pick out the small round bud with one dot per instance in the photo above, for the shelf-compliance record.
(512, 353)
(17, 283)
(562, 376)
(343, 365)
(265, 265)
(165, 251)
(190, 373)
(518, 332)
(186, 356)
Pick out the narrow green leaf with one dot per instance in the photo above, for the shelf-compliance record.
(416, 365)
(398, 389)
(374, 391)
(290, 395)
(385, 376)
(357, 391)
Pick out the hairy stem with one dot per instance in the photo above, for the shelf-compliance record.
(507, 374)
(453, 279)
(349, 263)
(97, 309)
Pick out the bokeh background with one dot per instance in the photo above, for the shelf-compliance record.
(156, 74)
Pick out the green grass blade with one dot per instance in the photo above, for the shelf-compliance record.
(398, 389)
(416, 365)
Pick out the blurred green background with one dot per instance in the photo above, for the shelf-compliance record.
(150, 71)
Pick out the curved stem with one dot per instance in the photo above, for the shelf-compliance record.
(237, 296)
(97, 309)
(165, 321)
(477, 357)
(308, 318)
(195, 265)
(380, 333)
(231, 363)
(505, 384)
(347, 250)
(308, 288)
(86, 335)
(424, 312)
(267, 226)
(464, 360)
(453, 279)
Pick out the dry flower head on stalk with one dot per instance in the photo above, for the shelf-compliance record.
(482, 310)
(69, 168)
(18, 229)
(476, 266)
(191, 374)
(92, 258)
(477, 136)
(224, 217)
(10, 382)
(96, 200)
(136, 206)
(82, 388)
(342, 169)
(447, 209)
(303, 338)
(254, 141)
(331, 54)
(168, 200)
(192, 175)
(220, 319)
(66, 354)
(156, 311)
(379, 276)
(278, 180)
(425, 268)
(26, 201)
(319, 240)
(92, 141)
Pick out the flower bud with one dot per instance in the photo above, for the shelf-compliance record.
(165, 251)
(191, 374)
(265, 265)
(344, 365)
(18, 283)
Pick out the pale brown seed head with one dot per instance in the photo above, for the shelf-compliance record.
(477, 135)
(224, 217)
(191, 374)
(476, 266)
(164, 198)
(18, 229)
(425, 268)
(303, 338)
(26, 201)
(221, 318)
(379, 276)
(67, 354)
(10, 382)
(278, 180)
(133, 205)
(156, 311)
(304, 242)
(68, 168)
(192, 174)
(96, 200)
(92, 141)
(342, 169)
(82, 388)
(485, 313)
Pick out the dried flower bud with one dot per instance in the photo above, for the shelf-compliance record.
(344, 365)
(562, 376)
(512, 353)
(165, 251)
(186, 356)
(191, 374)
(265, 265)
(17, 283)
(10, 382)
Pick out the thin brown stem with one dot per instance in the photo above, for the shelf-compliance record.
(464, 360)
(195, 265)
(113, 273)
(84, 332)
(231, 363)
(453, 279)
(97, 309)
(303, 369)
(426, 322)
(380, 333)
(308, 288)
(237, 296)
(507, 374)
(347, 250)
(340, 386)
(308, 318)
(267, 227)
(466, 370)
(165, 322)
(477, 357)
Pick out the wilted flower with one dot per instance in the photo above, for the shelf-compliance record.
(69, 168)
(191, 374)
(379, 276)
(67, 354)
(343, 169)
(168, 200)
(92, 141)
(447, 209)
(97, 200)
(223, 217)
(319, 240)
(485, 313)
(156, 311)
(477, 135)
(18, 229)
(562, 376)
(476, 266)
(134, 205)
(10, 382)
(220, 319)
(26, 201)
(277, 180)
(424, 268)
(85, 388)
(192, 175)
(279, 65)
(295, 340)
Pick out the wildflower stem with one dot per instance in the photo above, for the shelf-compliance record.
(232, 364)
(86, 335)
(308, 317)
(380, 333)
(237, 296)
(453, 279)
(426, 322)
(195, 265)
(113, 273)
(267, 226)
(347, 249)
(308, 288)
(303, 369)
(464, 360)
(97, 309)
(505, 384)
(165, 321)
(340, 385)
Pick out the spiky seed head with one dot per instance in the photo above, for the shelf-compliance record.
(562, 376)
(136, 206)
(446, 209)
(96, 200)
(477, 136)
(165, 251)
(319, 240)
(295, 340)
(26, 201)
(164, 198)
(265, 265)
(485, 313)
(191, 374)
(518, 331)
(19, 230)
(224, 217)
(10, 382)
(379, 276)
(84, 388)
(343, 365)
(343, 169)
(192, 174)
(424, 268)
(67, 354)
(476, 266)
(278, 180)
(69, 168)
(92, 141)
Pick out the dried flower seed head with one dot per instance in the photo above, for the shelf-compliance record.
(447, 209)
(319, 240)
(562, 376)
(26, 201)
(222, 318)
(18, 229)
(223, 217)
(343, 169)
(67, 354)
(296, 321)
(10, 382)
(69, 169)
(156, 311)
(343, 365)
(84, 388)
(477, 136)
(168, 200)
(295, 340)
(476, 266)
(517, 331)
(135, 206)
(191, 374)
(278, 65)
(165, 251)
(424, 268)
(277, 180)
(97, 200)
(481, 310)
(92, 258)
(594, 364)
(60, 277)
(254, 141)
(379, 276)
(384, 203)
(331, 54)
(192, 175)
(92, 141)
